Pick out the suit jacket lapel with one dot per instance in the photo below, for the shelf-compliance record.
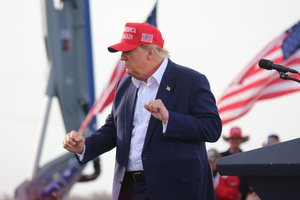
(164, 92)
(129, 112)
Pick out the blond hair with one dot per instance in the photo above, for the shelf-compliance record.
(161, 51)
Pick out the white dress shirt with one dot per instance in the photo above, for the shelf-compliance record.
(147, 92)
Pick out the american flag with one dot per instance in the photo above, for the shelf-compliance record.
(108, 94)
(147, 38)
(254, 84)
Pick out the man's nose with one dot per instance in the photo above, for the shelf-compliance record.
(123, 56)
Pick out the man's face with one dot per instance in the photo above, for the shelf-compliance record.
(137, 63)
(235, 142)
(272, 140)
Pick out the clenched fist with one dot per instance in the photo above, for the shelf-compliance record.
(158, 110)
(74, 142)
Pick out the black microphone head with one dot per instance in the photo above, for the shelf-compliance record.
(265, 64)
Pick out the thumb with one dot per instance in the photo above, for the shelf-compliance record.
(78, 137)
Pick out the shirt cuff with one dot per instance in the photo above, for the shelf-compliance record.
(81, 155)
(165, 125)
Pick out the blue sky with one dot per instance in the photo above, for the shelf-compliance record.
(217, 38)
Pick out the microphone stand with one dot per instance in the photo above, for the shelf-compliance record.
(284, 76)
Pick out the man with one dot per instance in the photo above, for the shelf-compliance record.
(272, 139)
(161, 117)
(226, 187)
(235, 139)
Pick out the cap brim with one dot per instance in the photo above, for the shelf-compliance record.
(244, 139)
(122, 47)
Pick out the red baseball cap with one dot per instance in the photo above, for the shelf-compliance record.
(136, 34)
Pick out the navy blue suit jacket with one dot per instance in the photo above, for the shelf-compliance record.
(175, 162)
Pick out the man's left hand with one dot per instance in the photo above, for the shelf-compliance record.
(158, 110)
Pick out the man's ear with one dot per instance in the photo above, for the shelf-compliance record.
(151, 52)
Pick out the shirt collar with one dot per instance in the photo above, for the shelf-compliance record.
(158, 74)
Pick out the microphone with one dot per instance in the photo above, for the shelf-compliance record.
(268, 65)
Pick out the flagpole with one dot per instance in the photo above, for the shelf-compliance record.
(41, 139)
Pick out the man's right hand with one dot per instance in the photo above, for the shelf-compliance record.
(74, 142)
